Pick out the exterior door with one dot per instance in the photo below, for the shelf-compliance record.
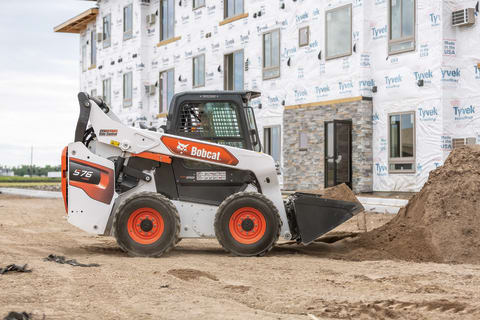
(338, 153)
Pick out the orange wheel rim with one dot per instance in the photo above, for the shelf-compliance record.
(247, 225)
(145, 225)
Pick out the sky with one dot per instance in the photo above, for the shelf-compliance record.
(39, 80)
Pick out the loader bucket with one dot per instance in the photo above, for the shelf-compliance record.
(316, 216)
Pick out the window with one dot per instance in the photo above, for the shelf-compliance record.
(271, 142)
(199, 71)
(93, 49)
(233, 71)
(167, 19)
(460, 142)
(93, 93)
(198, 4)
(303, 141)
(84, 58)
(213, 121)
(338, 32)
(401, 26)
(402, 142)
(303, 36)
(271, 54)
(127, 89)
(127, 22)
(107, 28)
(167, 87)
(232, 8)
(107, 90)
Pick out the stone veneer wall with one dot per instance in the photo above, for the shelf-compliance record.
(303, 170)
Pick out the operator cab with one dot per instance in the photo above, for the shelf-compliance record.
(222, 117)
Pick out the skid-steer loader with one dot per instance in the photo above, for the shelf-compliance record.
(204, 176)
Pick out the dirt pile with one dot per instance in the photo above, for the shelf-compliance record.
(338, 192)
(441, 223)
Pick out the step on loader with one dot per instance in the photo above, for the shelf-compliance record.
(202, 177)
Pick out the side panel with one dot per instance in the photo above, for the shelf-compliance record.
(197, 219)
(90, 189)
(134, 140)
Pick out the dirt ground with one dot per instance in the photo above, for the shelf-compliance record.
(199, 280)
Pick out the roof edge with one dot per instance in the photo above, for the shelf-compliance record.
(77, 23)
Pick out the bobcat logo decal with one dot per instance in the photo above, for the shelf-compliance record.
(182, 147)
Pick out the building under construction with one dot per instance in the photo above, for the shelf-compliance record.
(371, 93)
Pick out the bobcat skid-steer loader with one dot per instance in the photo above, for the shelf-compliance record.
(202, 177)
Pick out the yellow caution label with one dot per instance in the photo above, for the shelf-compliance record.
(114, 143)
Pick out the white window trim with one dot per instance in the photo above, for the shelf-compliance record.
(349, 53)
(84, 57)
(103, 91)
(128, 34)
(198, 7)
(193, 71)
(401, 160)
(405, 39)
(107, 44)
(225, 10)
(160, 20)
(166, 109)
(279, 55)
(300, 45)
(225, 79)
(279, 138)
(93, 42)
(127, 102)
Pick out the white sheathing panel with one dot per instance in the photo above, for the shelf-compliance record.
(445, 57)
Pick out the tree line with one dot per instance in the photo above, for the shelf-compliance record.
(32, 170)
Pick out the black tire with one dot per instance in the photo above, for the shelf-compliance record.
(140, 205)
(231, 208)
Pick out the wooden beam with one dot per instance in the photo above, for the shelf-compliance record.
(78, 23)
(323, 103)
(231, 19)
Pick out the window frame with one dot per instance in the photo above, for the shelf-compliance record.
(84, 57)
(269, 145)
(107, 42)
(402, 160)
(235, 14)
(93, 48)
(279, 54)
(128, 102)
(349, 53)
(193, 71)
(128, 34)
(161, 21)
(226, 69)
(198, 7)
(308, 36)
(161, 108)
(109, 100)
(403, 39)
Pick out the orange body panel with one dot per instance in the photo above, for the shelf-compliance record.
(153, 156)
(199, 150)
(103, 191)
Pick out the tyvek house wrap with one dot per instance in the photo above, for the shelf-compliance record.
(445, 58)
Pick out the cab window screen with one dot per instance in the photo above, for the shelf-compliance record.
(212, 121)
